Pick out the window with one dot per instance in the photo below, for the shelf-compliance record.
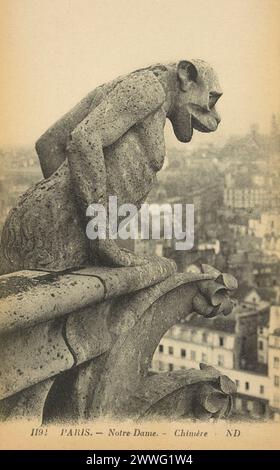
(238, 404)
(160, 348)
(250, 405)
(204, 357)
(276, 381)
(276, 362)
(170, 367)
(261, 330)
(204, 337)
(160, 366)
(183, 353)
(221, 341)
(193, 355)
(237, 383)
(220, 360)
(260, 345)
(276, 400)
(247, 385)
(170, 350)
(262, 389)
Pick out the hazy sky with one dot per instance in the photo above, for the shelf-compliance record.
(55, 51)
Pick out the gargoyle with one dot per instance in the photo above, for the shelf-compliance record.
(110, 144)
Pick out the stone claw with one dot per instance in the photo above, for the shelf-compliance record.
(212, 403)
(201, 306)
(213, 297)
(227, 280)
(214, 399)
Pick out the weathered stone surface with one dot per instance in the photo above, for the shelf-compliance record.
(87, 332)
(139, 335)
(125, 280)
(27, 299)
(32, 355)
(27, 404)
(101, 354)
(138, 324)
(44, 297)
(49, 348)
(71, 396)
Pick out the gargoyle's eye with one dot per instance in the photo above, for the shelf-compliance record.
(213, 98)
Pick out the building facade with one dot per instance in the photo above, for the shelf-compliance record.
(232, 346)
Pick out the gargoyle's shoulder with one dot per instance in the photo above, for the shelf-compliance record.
(145, 80)
(137, 87)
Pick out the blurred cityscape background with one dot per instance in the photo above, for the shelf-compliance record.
(234, 187)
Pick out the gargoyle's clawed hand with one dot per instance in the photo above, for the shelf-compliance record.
(214, 399)
(213, 297)
(110, 254)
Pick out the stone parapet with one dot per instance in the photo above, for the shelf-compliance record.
(78, 345)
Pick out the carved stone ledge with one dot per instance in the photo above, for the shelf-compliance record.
(78, 346)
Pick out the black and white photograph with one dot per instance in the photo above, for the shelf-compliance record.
(139, 223)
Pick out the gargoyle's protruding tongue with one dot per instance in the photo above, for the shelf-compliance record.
(209, 124)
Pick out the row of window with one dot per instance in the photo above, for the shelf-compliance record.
(276, 381)
(247, 386)
(193, 356)
(205, 338)
(249, 406)
(161, 366)
(183, 352)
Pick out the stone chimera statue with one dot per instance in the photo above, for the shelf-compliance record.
(91, 358)
(111, 143)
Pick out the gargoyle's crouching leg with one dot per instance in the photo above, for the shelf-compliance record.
(43, 231)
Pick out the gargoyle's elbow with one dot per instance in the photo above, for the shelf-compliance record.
(38, 146)
(51, 154)
(82, 140)
(43, 145)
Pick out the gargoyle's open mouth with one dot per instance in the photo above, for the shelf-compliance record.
(199, 126)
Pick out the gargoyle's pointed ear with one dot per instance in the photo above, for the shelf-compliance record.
(187, 72)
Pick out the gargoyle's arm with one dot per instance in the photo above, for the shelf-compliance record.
(133, 98)
(51, 146)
